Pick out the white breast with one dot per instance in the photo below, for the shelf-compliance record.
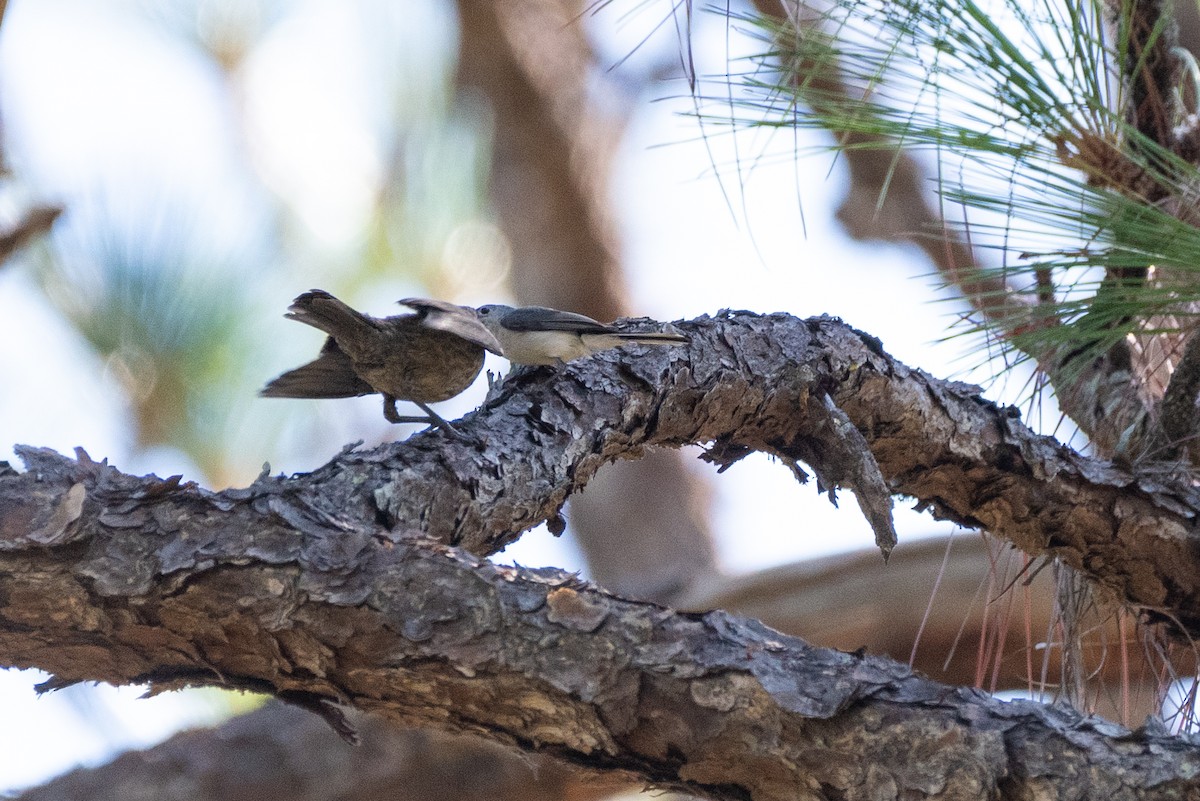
(542, 347)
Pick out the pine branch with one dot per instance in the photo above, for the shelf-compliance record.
(1150, 69)
(280, 753)
(887, 199)
(325, 612)
(747, 382)
(1066, 182)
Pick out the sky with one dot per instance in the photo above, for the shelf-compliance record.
(91, 90)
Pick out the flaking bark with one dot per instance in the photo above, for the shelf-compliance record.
(314, 588)
(744, 384)
(429, 635)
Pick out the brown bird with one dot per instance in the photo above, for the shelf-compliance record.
(425, 357)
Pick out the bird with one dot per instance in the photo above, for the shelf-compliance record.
(541, 336)
(424, 358)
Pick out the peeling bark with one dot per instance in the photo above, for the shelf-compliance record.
(429, 635)
(830, 602)
(315, 589)
(744, 384)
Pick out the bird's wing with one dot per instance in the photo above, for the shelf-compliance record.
(462, 321)
(538, 318)
(330, 375)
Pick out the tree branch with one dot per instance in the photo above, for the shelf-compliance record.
(746, 383)
(831, 602)
(887, 197)
(324, 611)
(888, 200)
(280, 753)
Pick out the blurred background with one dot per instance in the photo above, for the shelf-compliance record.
(214, 158)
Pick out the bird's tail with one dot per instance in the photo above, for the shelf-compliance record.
(330, 375)
(326, 313)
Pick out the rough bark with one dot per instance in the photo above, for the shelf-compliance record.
(832, 602)
(747, 382)
(429, 635)
(963, 610)
(312, 587)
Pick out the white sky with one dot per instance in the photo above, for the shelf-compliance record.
(89, 90)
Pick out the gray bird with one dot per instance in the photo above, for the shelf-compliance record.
(537, 335)
(425, 357)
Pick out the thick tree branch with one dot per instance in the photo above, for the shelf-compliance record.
(321, 611)
(831, 602)
(280, 753)
(746, 383)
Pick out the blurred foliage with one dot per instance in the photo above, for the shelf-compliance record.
(366, 179)
(157, 297)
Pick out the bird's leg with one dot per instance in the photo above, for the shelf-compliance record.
(389, 413)
(434, 419)
(441, 423)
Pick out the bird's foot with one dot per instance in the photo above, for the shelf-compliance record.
(438, 421)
